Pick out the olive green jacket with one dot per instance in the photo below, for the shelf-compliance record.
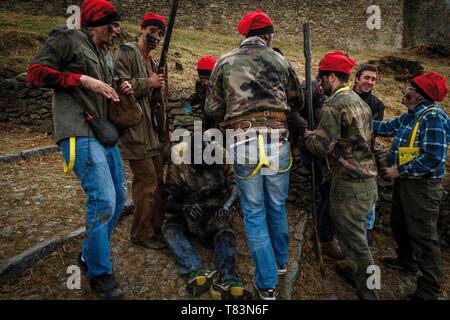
(141, 140)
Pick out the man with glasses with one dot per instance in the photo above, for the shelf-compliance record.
(343, 138)
(140, 144)
(76, 64)
(418, 157)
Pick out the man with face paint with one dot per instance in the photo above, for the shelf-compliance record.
(140, 144)
(76, 64)
(418, 181)
(201, 199)
(204, 67)
(343, 138)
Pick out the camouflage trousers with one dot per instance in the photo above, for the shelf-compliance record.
(350, 201)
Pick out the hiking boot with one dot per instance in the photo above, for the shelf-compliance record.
(105, 287)
(264, 294)
(156, 242)
(281, 269)
(200, 281)
(414, 296)
(397, 264)
(230, 290)
(82, 263)
(346, 272)
(332, 249)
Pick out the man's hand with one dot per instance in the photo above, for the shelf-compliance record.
(391, 173)
(156, 80)
(308, 133)
(222, 215)
(99, 87)
(126, 88)
(196, 212)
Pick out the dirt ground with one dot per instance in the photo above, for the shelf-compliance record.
(142, 273)
(395, 284)
(15, 139)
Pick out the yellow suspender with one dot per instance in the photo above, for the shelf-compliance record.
(263, 160)
(72, 155)
(416, 127)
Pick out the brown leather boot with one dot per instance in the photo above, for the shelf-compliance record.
(332, 249)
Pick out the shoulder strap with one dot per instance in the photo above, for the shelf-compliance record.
(412, 138)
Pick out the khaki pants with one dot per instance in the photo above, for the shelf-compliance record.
(350, 201)
(147, 191)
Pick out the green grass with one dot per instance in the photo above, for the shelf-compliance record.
(21, 36)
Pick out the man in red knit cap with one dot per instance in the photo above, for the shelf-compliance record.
(251, 90)
(140, 144)
(343, 138)
(418, 157)
(77, 66)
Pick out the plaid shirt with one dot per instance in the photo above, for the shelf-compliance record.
(432, 139)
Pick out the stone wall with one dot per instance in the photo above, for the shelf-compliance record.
(20, 104)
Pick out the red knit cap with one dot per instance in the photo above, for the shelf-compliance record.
(96, 13)
(433, 85)
(255, 23)
(153, 19)
(337, 61)
(205, 65)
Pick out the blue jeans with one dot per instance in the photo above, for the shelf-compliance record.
(174, 232)
(371, 219)
(263, 201)
(102, 178)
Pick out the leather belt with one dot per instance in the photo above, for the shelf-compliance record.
(264, 118)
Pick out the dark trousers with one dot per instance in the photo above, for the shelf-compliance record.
(325, 226)
(146, 190)
(415, 210)
(174, 231)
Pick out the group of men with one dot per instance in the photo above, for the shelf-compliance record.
(254, 91)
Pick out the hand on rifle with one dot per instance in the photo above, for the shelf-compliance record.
(156, 80)
(308, 133)
(126, 88)
(222, 214)
(100, 87)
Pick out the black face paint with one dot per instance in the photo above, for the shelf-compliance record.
(151, 41)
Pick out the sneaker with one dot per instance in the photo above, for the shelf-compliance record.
(230, 290)
(200, 281)
(105, 287)
(395, 263)
(264, 294)
(282, 269)
(156, 242)
(82, 263)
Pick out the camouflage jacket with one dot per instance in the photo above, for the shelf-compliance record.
(141, 140)
(209, 186)
(343, 136)
(250, 79)
(197, 100)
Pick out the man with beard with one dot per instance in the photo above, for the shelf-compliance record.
(140, 144)
(418, 157)
(200, 200)
(365, 80)
(343, 138)
(76, 64)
